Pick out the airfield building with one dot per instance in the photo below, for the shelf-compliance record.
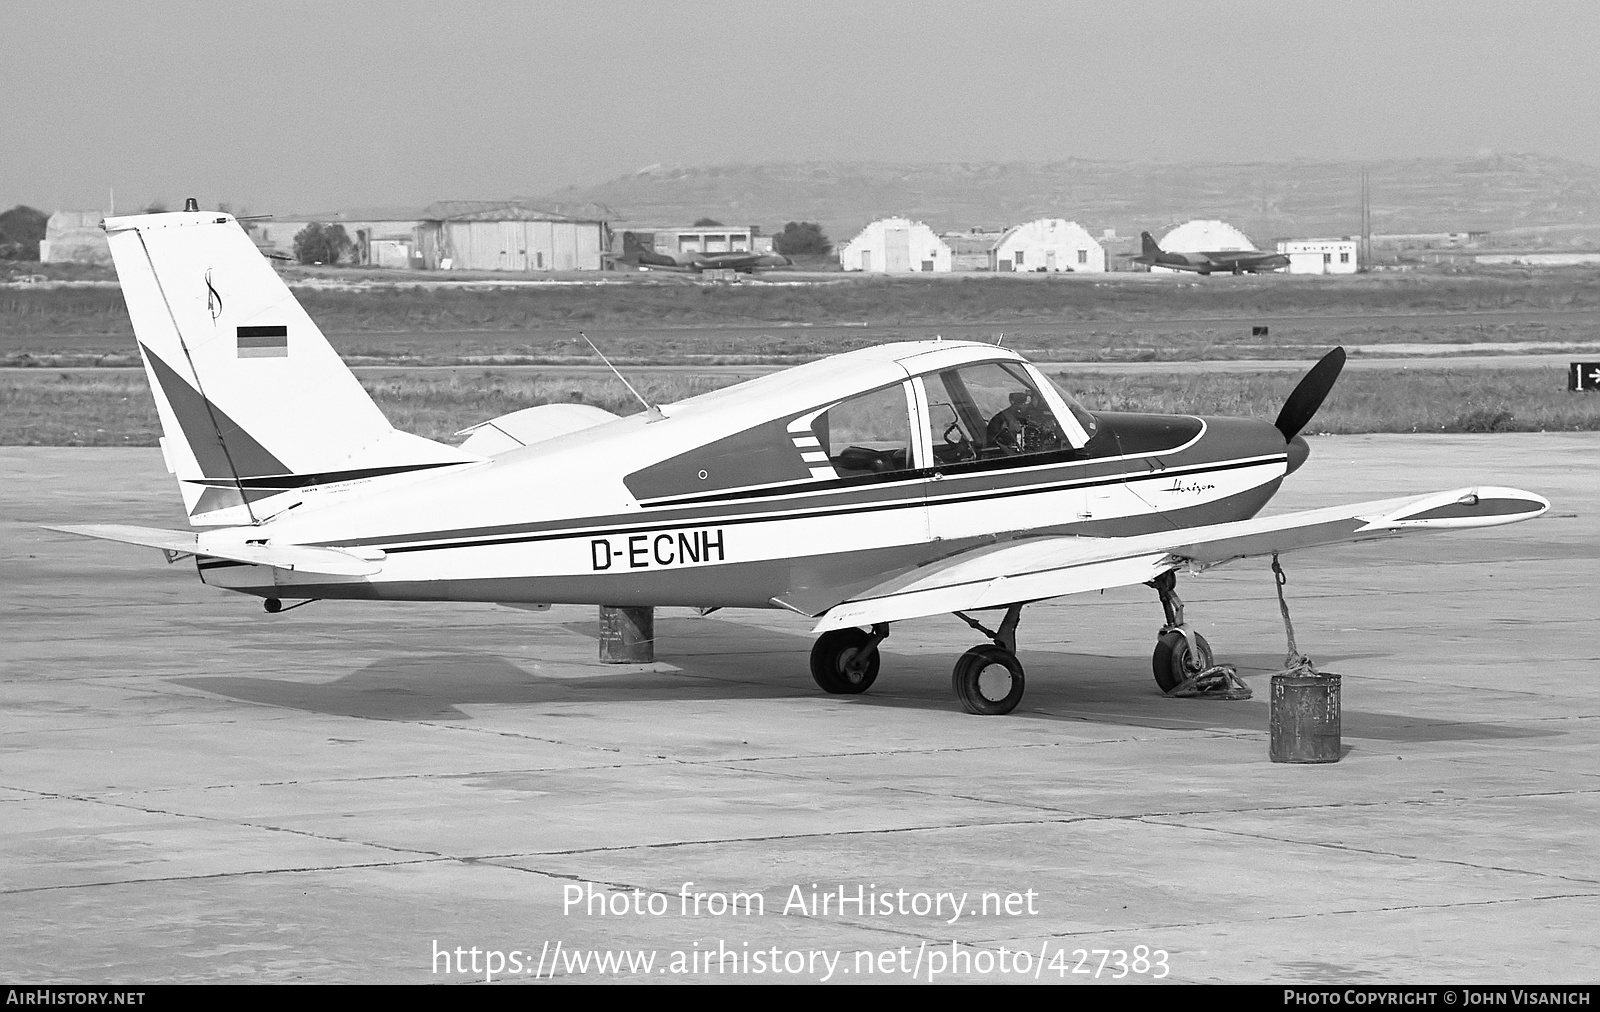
(1048, 245)
(508, 236)
(1120, 251)
(969, 250)
(74, 237)
(628, 237)
(1320, 256)
(721, 239)
(896, 246)
(382, 238)
(1430, 240)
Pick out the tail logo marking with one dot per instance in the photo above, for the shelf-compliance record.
(213, 299)
(206, 427)
(264, 342)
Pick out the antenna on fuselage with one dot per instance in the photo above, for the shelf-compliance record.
(999, 339)
(649, 408)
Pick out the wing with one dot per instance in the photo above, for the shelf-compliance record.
(304, 558)
(1031, 569)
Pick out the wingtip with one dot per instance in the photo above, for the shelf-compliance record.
(1479, 506)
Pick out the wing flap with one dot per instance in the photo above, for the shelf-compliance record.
(1036, 568)
(299, 558)
(993, 591)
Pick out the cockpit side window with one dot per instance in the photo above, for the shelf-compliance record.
(866, 435)
(992, 414)
(861, 439)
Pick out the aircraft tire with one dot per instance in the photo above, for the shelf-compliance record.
(981, 688)
(1174, 661)
(839, 664)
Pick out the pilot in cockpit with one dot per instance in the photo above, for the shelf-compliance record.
(1024, 426)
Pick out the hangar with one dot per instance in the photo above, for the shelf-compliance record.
(478, 235)
(1048, 245)
(74, 237)
(1205, 236)
(896, 246)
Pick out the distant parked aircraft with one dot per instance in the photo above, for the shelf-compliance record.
(1230, 261)
(695, 262)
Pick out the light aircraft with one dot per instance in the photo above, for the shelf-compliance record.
(695, 262)
(893, 482)
(1221, 261)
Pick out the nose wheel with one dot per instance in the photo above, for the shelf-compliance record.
(1179, 657)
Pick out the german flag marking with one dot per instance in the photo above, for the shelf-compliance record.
(264, 342)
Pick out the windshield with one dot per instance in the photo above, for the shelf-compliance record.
(1084, 416)
(992, 411)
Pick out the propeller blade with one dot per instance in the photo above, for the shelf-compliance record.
(1308, 396)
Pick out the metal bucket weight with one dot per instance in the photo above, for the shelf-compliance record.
(1305, 718)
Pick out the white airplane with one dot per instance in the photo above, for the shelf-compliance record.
(884, 484)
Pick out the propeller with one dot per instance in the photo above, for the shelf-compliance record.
(1307, 397)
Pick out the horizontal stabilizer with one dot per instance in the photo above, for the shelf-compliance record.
(299, 558)
(1032, 569)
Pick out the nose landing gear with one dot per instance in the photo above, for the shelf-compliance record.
(1179, 654)
(1183, 663)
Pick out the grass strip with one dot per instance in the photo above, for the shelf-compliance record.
(114, 407)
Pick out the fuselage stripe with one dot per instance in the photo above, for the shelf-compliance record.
(918, 502)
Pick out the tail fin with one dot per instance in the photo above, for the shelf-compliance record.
(1150, 248)
(257, 410)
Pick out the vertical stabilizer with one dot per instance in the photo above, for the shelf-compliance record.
(258, 412)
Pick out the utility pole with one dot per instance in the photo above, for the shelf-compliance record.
(1365, 255)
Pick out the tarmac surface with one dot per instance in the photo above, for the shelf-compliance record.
(192, 790)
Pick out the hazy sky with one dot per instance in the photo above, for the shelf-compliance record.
(289, 105)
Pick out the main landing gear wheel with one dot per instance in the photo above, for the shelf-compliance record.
(1176, 658)
(988, 680)
(845, 661)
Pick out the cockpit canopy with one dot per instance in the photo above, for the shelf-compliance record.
(973, 415)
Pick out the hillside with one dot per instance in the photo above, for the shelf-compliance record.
(1266, 199)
